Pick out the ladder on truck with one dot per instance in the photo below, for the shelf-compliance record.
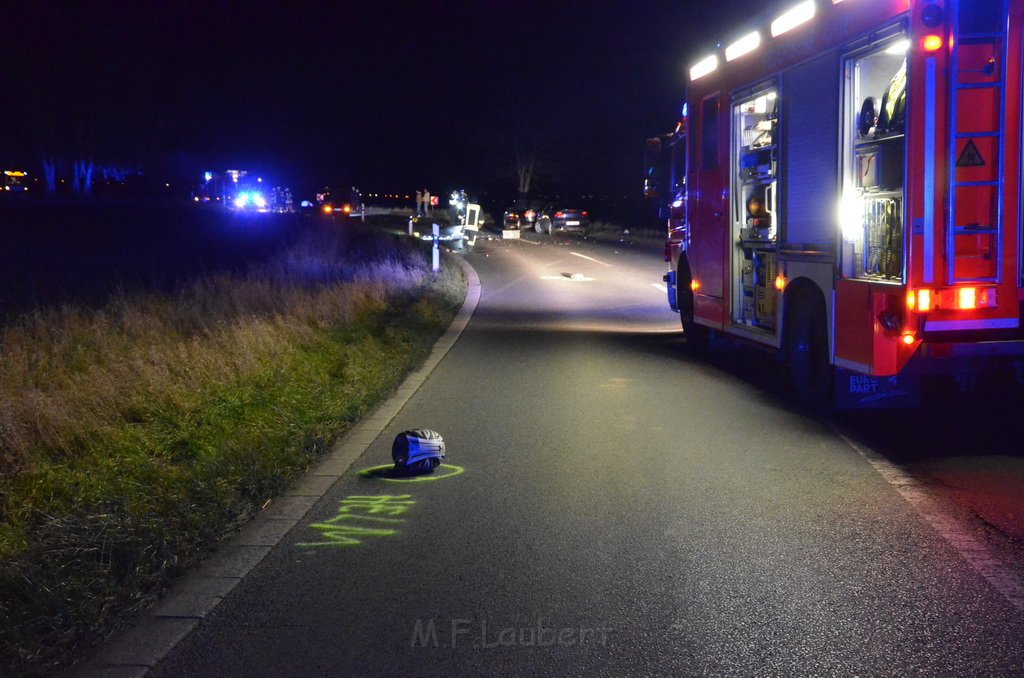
(974, 227)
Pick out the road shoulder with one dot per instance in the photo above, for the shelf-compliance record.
(134, 651)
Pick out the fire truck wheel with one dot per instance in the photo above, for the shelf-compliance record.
(807, 351)
(696, 335)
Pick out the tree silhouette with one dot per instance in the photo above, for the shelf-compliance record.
(537, 144)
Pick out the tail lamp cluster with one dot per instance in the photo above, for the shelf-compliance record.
(968, 298)
(925, 300)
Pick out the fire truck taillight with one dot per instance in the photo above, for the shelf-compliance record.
(924, 300)
(908, 338)
(931, 43)
(956, 298)
(968, 298)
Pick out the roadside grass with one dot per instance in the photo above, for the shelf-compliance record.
(135, 437)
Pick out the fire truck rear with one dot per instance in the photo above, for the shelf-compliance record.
(853, 194)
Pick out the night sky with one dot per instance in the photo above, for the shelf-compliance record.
(389, 96)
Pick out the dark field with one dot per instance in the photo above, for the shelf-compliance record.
(80, 253)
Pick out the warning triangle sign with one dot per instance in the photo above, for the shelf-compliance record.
(970, 157)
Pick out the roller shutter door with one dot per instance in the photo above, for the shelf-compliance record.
(810, 147)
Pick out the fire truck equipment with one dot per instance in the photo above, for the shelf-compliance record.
(847, 190)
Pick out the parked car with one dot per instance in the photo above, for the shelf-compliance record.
(528, 210)
(529, 217)
(511, 220)
(552, 219)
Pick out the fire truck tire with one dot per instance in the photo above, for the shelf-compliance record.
(696, 335)
(807, 351)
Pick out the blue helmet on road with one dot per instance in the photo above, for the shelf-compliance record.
(417, 450)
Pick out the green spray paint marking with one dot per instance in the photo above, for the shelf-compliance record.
(386, 472)
(362, 516)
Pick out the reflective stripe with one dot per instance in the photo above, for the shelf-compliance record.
(929, 170)
(853, 366)
(946, 325)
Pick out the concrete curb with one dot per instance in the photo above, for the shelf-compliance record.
(138, 649)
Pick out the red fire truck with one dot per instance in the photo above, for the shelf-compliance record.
(665, 183)
(853, 194)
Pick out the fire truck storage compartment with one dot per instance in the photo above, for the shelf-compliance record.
(880, 164)
(759, 268)
(755, 120)
(875, 93)
(755, 137)
(883, 235)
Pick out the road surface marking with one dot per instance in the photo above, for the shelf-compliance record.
(977, 555)
(337, 531)
(660, 287)
(382, 472)
(584, 256)
(576, 277)
(617, 384)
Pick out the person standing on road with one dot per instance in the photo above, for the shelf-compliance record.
(426, 202)
(419, 202)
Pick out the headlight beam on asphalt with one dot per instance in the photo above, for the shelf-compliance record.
(584, 256)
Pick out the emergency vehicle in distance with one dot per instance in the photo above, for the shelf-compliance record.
(14, 180)
(853, 194)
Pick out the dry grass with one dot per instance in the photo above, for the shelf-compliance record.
(134, 437)
(63, 372)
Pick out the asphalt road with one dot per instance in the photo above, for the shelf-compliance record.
(623, 510)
